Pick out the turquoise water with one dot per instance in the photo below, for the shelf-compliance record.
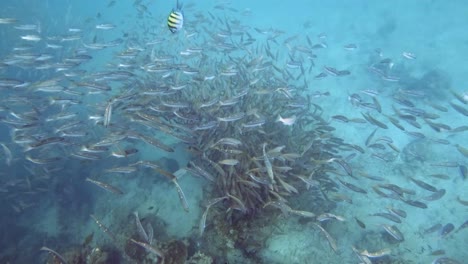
(330, 69)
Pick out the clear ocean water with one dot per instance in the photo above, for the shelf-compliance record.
(258, 132)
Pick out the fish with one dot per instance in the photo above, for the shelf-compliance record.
(214, 201)
(241, 207)
(107, 26)
(415, 203)
(165, 173)
(341, 118)
(360, 223)
(229, 102)
(229, 162)
(150, 248)
(268, 165)
(445, 260)
(369, 138)
(331, 71)
(150, 232)
(125, 170)
(397, 212)
(106, 186)
(377, 105)
(140, 229)
(8, 155)
(462, 226)
(374, 121)
(460, 109)
(396, 123)
(302, 213)
(409, 55)
(376, 254)
(231, 118)
(327, 216)
(364, 259)
(350, 47)
(197, 171)
(8, 20)
(397, 189)
(209, 103)
(432, 229)
(462, 150)
(437, 252)
(446, 229)
(448, 164)
(289, 188)
(393, 147)
(352, 187)
(43, 160)
(94, 149)
(331, 240)
(439, 107)
(345, 166)
(440, 176)
(175, 20)
(254, 123)
(206, 126)
(339, 197)
(463, 202)
(181, 195)
(394, 232)
(93, 86)
(460, 97)
(202, 225)
(388, 216)
(227, 141)
(43, 142)
(150, 140)
(34, 38)
(125, 153)
(288, 121)
(377, 146)
(57, 255)
(258, 179)
(88, 240)
(435, 196)
(423, 185)
(84, 155)
(103, 227)
(463, 171)
(175, 104)
(108, 114)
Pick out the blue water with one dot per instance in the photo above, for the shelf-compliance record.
(50, 204)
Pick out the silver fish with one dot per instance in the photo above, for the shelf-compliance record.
(106, 186)
(140, 229)
(8, 155)
(57, 255)
(150, 248)
(108, 114)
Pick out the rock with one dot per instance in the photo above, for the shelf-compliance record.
(175, 252)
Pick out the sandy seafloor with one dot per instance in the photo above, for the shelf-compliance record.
(435, 31)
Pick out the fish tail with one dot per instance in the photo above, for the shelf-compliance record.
(279, 119)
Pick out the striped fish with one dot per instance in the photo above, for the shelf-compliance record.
(175, 21)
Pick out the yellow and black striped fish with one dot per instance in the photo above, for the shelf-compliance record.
(175, 21)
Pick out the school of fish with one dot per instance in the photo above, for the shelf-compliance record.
(241, 100)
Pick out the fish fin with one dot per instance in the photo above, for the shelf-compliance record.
(179, 5)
